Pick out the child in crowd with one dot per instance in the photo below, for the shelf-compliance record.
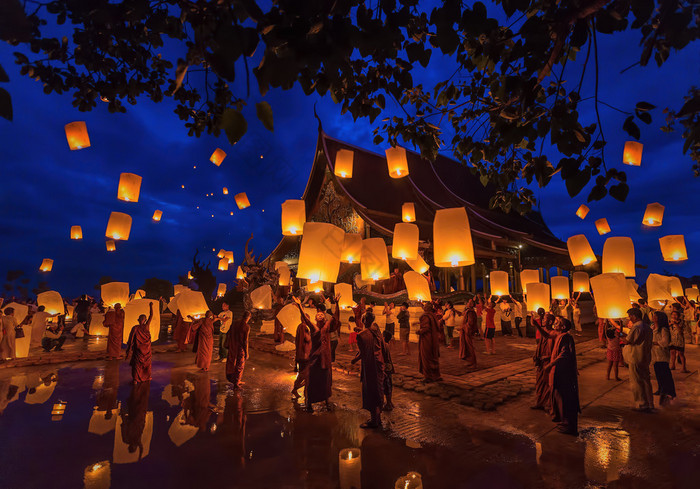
(354, 329)
(614, 351)
(388, 371)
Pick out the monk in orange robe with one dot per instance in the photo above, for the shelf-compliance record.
(237, 350)
(372, 355)
(563, 378)
(134, 417)
(182, 331)
(205, 346)
(114, 320)
(302, 341)
(543, 352)
(429, 344)
(139, 345)
(466, 345)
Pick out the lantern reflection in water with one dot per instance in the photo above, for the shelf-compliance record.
(98, 475)
(607, 453)
(412, 480)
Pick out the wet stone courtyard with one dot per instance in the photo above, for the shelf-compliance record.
(84, 425)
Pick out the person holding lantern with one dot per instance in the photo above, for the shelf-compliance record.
(302, 342)
(8, 324)
(429, 344)
(640, 338)
(226, 318)
(205, 346)
(114, 320)
(237, 350)
(139, 345)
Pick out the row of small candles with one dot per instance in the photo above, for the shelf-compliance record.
(350, 472)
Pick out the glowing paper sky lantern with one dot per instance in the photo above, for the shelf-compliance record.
(20, 313)
(675, 286)
(240, 275)
(177, 288)
(221, 253)
(343, 163)
(221, 290)
(632, 290)
(653, 215)
(118, 226)
(632, 154)
(418, 265)
(139, 294)
(692, 294)
(223, 264)
(527, 277)
(611, 295)
(618, 256)
(375, 261)
(408, 212)
(229, 256)
(52, 302)
(111, 245)
(134, 309)
(319, 254)
(405, 245)
(673, 247)
(352, 248)
(293, 217)
(397, 162)
(129, 187)
(452, 238)
(262, 297)
(345, 292)
(191, 303)
(560, 287)
(76, 232)
(658, 288)
(602, 226)
(157, 214)
(225, 191)
(189, 275)
(46, 265)
(581, 283)
(417, 286)
(290, 317)
(314, 287)
(285, 274)
(499, 283)
(582, 211)
(538, 296)
(115, 293)
(580, 250)
(242, 200)
(77, 135)
(217, 157)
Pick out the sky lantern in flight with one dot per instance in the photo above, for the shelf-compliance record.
(46, 265)
(343, 163)
(560, 287)
(581, 282)
(692, 294)
(417, 286)
(133, 310)
(632, 290)
(538, 296)
(632, 154)
(76, 232)
(319, 253)
(118, 226)
(285, 275)
(221, 253)
(602, 226)
(611, 295)
(242, 200)
(408, 212)
(262, 297)
(345, 292)
(221, 290)
(653, 215)
(314, 287)
(397, 162)
(352, 248)
(225, 190)
(192, 303)
(452, 238)
(499, 283)
(229, 256)
(618, 256)
(240, 274)
(528, 276)
(405, 245)
(52, 302)
(223, 264)
(418, 265)
(582, 211)
(293, 217)
(217, 157)
(77, 135)
(375, 261)
(129, 187)
(115, 293)
(189, 275)
(580, 250)
(673, 247)
(157, 215)
(111, 245)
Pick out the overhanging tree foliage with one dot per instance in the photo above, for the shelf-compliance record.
(505, 98)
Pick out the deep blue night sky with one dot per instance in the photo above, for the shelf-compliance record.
(46, 188)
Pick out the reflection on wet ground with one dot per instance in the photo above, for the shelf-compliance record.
(89, 427)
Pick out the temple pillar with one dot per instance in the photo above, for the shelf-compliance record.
(472, 273)
(461, 278)
(494, 262)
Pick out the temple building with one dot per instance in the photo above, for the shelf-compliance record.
(370, 203)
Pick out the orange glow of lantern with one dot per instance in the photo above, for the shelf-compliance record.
(581, 282)
(582, 211)
(499, 283)
(157, 215)
(136, 308)
(408, 212)
(560, 287)
(673, 247)
(111, 245)
(343, 163)
(375, 261)
(675, 286)
(46, 265)
(129, 187)
(417, 286)
(52, 302)
(602, 226)
(221, 290)
(314, 287)
(262, 297)
(527, 277)
(405, 245)
(418, 265)
(611, 295)
(293, 217)
(229, 256)
(538, 296)
(118, 226)
(225, 191)
(397, 162)
(632, 154)
(452, 238)
(77, 135)
(115, 293)
(319, 254)
(242, 200)
(223, 264)
(632, 290)
(221, 253)
(580, 250)
(653, 215)
(217, 157)
(618, 256)
(352, 248)
(285, 275)
(189, 275)
(191, 303)
(692, 294)
(240, 275)
(76, 232)
(345, 292)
